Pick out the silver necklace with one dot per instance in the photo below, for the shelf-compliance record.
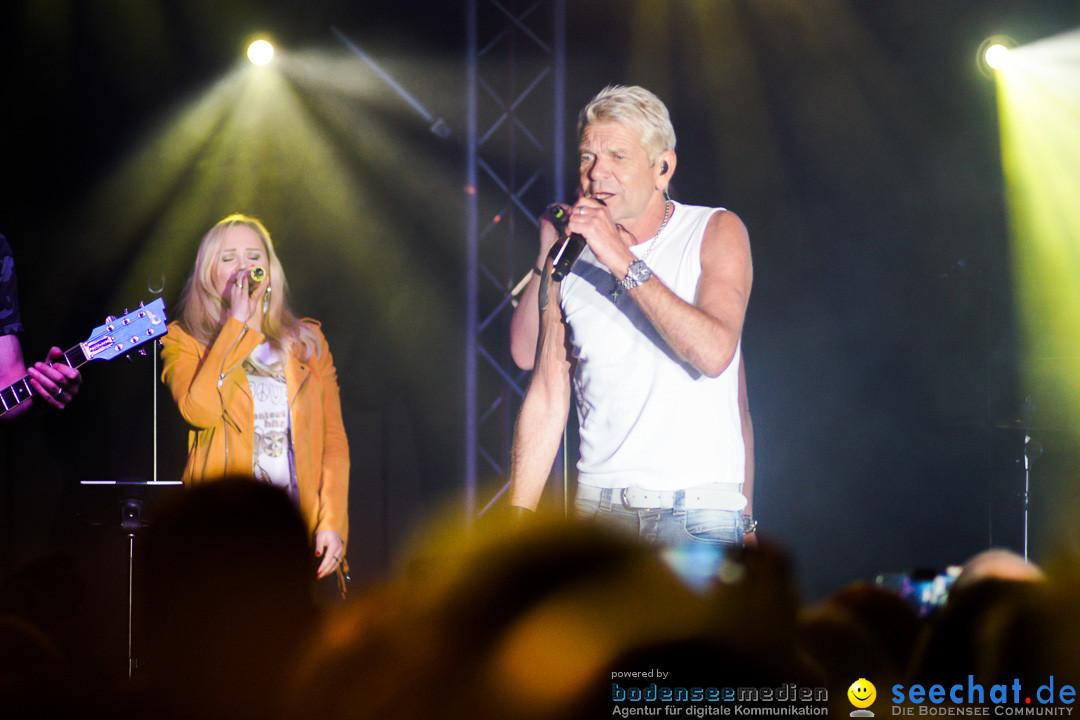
(617, 289)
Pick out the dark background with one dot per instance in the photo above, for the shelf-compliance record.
(857, 140)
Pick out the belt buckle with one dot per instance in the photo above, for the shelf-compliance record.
(647, 508)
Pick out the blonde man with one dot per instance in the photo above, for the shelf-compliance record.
(647, 328)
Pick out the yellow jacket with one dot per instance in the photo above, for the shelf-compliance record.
(211, 390)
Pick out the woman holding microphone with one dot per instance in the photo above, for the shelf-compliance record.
(257, 385)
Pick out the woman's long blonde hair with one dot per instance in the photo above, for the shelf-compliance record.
(202, 310)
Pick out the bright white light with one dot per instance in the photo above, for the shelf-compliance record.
(260, 52)
(996, 56)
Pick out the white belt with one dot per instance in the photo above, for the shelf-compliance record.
(700, 497)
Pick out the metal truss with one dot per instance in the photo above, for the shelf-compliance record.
(514, 168)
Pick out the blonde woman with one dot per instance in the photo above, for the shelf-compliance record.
(257, 385)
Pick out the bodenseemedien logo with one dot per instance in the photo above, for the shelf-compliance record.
(699, 701)
(862, 694)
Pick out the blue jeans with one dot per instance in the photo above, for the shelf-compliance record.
(693, 542)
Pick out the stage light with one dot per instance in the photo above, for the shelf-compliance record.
(993, 54)
(996, 56)
(260, 52)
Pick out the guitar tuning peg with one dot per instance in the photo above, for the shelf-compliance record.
(128, 357)
(142, 351)
(142, 304)
(110, 318)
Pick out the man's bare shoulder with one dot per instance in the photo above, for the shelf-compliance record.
(726, 225)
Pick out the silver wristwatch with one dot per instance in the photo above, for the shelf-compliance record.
(636, 274)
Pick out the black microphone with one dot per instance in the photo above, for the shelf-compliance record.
(568, 253)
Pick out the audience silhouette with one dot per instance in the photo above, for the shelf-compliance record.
(511, 620)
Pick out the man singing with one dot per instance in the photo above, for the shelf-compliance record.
(647, 326)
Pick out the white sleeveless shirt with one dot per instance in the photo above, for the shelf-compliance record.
(647, 418)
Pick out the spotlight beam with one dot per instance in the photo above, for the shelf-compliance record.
(437, 125)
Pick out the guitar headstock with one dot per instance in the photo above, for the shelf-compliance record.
(119, 336)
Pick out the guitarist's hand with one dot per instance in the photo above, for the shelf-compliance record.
(54, 381)
(245, 303)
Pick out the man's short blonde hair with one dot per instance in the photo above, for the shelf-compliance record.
(636, 108)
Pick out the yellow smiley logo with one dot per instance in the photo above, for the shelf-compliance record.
(862, 693)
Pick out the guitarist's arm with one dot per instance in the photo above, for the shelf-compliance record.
(53, 381)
